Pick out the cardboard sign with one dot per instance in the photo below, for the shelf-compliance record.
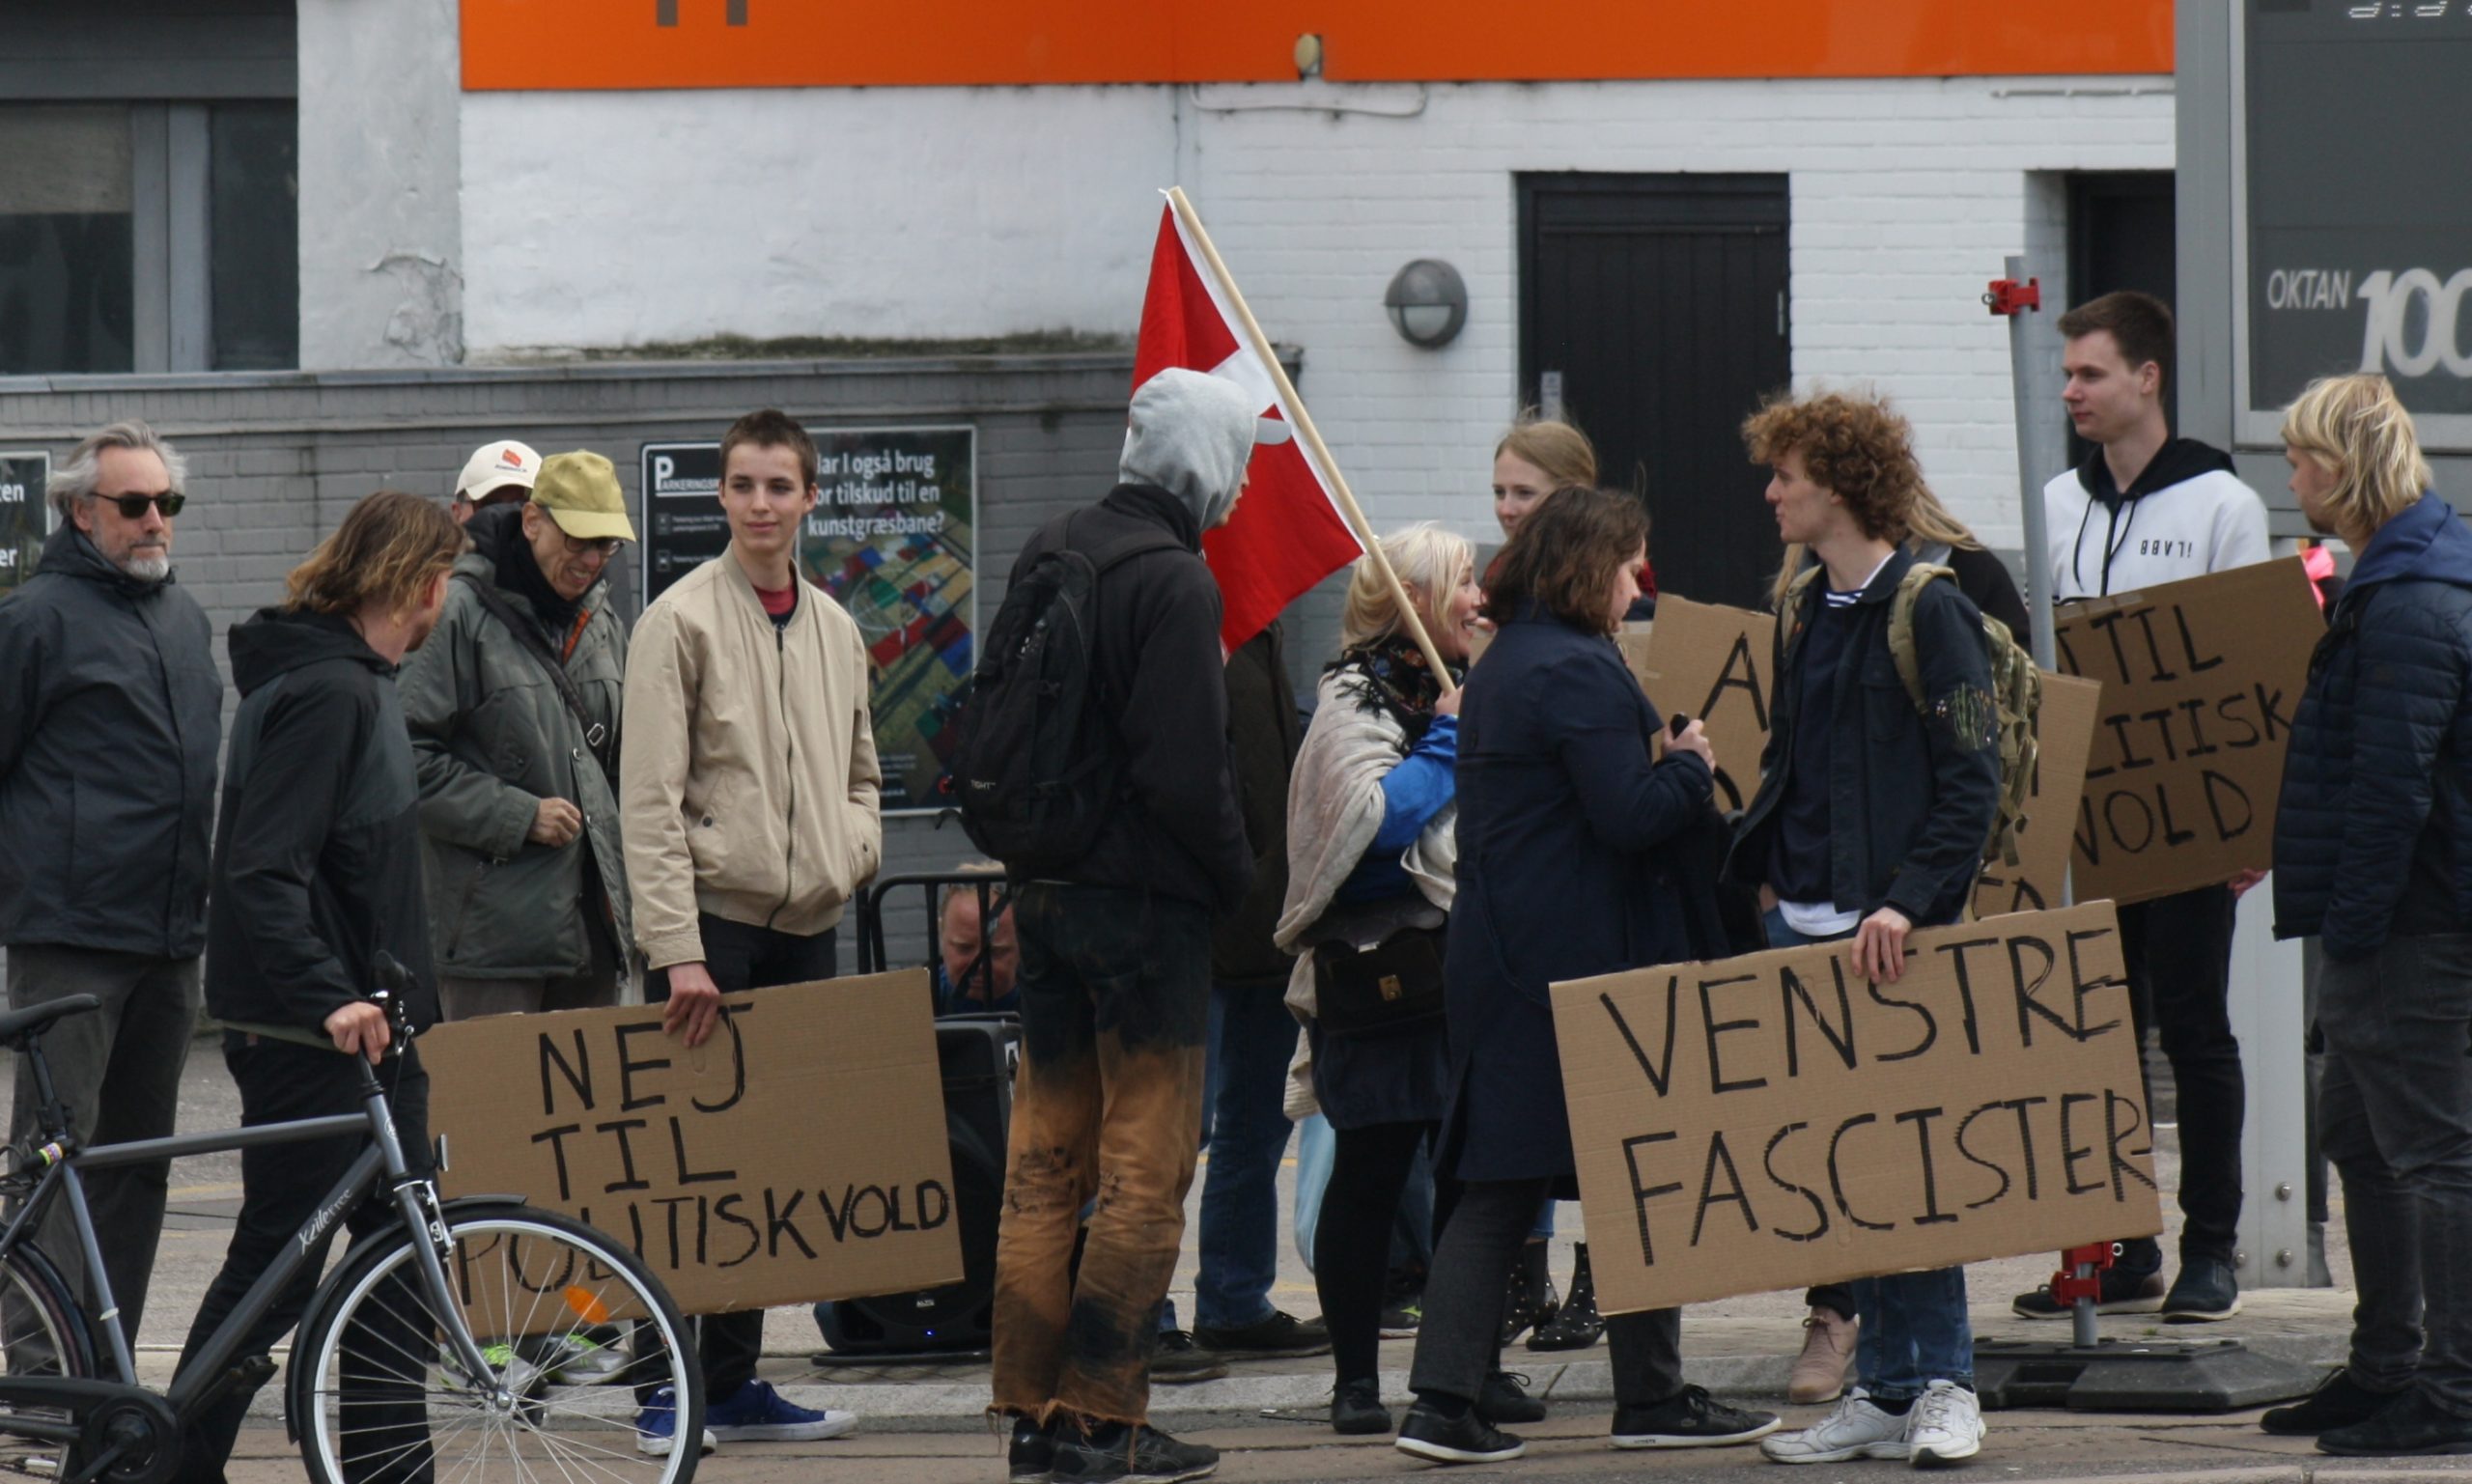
(2200, 681)
(1711, 662)
(1768, 1122)
(799, 1153)
(2065, 733)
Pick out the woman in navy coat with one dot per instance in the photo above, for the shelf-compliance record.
(1567, 867)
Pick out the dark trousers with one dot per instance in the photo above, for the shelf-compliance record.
(1106, 1111)
(1351, 1236)
(1460, 1336)
(2179, 950)
(385, 1438)
(2395, 1116)
(740, 957)
(118, 1072)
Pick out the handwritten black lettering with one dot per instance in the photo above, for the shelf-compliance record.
(1836, 1179)
(629, 1066)
(1839, 1037)
(1734, 1194)
(1642, 1195)
(1715, 1027)
(1819, 1211)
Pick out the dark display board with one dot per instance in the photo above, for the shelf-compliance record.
(894, 537)
(25, 479)
(2358, 194)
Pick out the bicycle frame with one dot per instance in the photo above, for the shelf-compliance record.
(415, 1199)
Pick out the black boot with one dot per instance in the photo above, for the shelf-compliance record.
(1531, 1300)
(1576, 1325)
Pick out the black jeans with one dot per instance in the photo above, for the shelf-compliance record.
(280, 1186)
(2179, 950)
(2396, 1115)
(1351, 1236)
(1460, 1336)
(741, 957)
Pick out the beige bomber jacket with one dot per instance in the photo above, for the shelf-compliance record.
(748, 782)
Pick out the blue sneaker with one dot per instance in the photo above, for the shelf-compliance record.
(657, 1426)
(757, 1413)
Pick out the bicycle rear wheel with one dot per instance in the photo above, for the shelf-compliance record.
(42, 1333)
(374, 1381)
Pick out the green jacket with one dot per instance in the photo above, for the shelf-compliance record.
(490, 738)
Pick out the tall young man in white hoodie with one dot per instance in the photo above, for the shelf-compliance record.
(2147, 508)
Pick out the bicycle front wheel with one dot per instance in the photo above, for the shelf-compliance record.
(571, 1324)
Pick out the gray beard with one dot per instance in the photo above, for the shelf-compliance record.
(152, 567)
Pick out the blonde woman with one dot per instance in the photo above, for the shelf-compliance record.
(2373, 855)
(1371, 806)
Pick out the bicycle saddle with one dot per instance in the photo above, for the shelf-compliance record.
(18, 1025)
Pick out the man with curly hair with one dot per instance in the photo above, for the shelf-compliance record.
(1868, 823)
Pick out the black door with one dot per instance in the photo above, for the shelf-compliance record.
(2120, 237)
(1653, 315)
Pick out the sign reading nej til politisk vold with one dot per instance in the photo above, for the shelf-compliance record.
(2199, 680)
(1712, 663)
(1769, 1122)
(799, 1153)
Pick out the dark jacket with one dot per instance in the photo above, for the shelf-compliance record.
(1564, 870)
(1159, 685)
(1265, 732)
(317, 856)
(111, 714)
(1910, 800)
(491, 737)
(1988, 584)
(2373, 832)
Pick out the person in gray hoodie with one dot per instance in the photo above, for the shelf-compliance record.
(1116, 968)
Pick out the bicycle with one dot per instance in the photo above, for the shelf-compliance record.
(462, 1307)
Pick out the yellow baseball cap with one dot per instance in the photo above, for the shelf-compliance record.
(580, 493)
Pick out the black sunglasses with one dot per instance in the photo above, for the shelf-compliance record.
(132, 507)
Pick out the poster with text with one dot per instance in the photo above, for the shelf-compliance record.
(25, 482)
(893, 538)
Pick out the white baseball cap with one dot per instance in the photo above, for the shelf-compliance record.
(496, 465)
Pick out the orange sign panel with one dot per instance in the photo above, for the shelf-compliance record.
(589, 45)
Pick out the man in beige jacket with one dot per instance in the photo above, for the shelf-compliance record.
(747, 791)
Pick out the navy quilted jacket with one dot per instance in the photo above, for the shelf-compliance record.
(2374, 835)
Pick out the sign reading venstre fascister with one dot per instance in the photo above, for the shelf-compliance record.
(1771, 1121)
(2200, 681)
(799, 1153)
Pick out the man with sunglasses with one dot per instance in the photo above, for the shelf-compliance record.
(514, 709)
(111, 716)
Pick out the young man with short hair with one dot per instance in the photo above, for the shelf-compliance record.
(1870, 822)
(2147, 508)
(747, 792)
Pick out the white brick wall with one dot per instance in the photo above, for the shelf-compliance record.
(950, 212)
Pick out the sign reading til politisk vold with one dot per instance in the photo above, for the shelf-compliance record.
(25, 515)
(799, 1153)
(2200, 681)
(1769, 1122)
(893, 538)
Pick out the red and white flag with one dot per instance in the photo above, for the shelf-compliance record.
(1289, 532)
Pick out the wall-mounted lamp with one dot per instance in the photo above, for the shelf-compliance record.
(1427, 303)
(1308, 57)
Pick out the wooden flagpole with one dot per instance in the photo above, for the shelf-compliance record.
(1291, 403)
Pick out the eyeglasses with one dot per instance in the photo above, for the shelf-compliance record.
(605, 548)
(132, 507)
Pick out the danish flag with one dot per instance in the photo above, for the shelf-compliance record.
(1289, 532)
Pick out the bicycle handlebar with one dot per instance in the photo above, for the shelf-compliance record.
(393, 992)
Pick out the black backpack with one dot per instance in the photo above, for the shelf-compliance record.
(1039, 767)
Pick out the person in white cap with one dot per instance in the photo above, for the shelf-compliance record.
(499, 473)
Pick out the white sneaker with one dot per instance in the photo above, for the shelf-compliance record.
(1944, 1425)
(1853, 1428)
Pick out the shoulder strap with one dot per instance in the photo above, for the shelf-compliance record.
(1909, 591)
(529, 638)
(1789, 610)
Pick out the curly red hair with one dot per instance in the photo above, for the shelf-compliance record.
(1854, 447)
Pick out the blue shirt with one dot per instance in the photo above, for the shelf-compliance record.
(1420, 786)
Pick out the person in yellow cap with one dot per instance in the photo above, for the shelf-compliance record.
(514, 709)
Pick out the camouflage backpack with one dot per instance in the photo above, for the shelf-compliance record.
(2016, 696)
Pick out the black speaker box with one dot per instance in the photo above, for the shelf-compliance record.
(977, 1053)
